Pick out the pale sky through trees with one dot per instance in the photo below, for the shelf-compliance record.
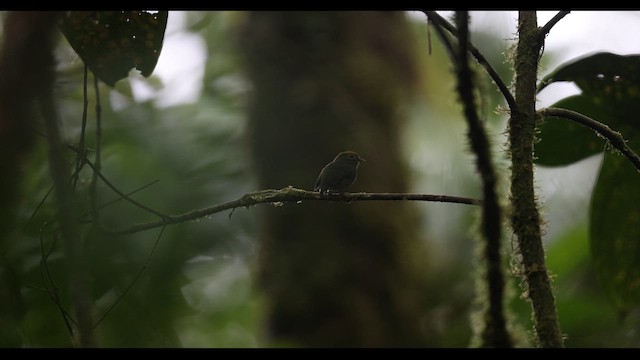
(181, 63)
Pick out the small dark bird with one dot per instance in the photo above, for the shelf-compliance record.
(339, 174)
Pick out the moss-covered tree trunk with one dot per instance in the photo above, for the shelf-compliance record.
(525, 218)
(334, 274)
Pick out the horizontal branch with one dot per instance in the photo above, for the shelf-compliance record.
(287, 195)
(615, 138)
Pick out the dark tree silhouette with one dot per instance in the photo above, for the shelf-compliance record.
(335, 274)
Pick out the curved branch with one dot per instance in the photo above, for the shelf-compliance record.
(81, 218)
(439, 21)
(542, 33)
(614, 137)
(135, 279)
(123, 195)
(439, 24)
(50, 287)
(287, 195)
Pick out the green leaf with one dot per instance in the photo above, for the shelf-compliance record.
(615, 230)
(599, 72)
(112, 43)
(568, 254)
(562, 142)
(611, 95)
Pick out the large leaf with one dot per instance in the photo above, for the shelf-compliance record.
(553, 149)
(112, 43)
(615, 230)
(611, 95)
(598, 71)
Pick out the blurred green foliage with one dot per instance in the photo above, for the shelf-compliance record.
(195, 289)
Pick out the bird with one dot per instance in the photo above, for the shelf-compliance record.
(339, 174)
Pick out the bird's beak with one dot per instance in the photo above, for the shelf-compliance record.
(361, 159)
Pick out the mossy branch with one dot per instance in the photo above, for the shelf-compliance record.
(287, 195)
(495, 332)
(525, 217)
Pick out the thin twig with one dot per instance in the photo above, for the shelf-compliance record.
(614, 137)
(82, 219)
(543, 31)
(123, 195)
(49, 283)
(74, 175)
(429, 36)
(81, 148)
(288, 195)
(442, 22)
(93, 192)
(439, 23)
(135, 279)
(35, 211)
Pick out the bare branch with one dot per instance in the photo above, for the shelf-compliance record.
(135, 279)
(81, 145)
(123, 195)
(288, 195)
(82, 218)
(614, 137)
(93, 193)
(35, 211)
(439, 21)
(439, 24)
(50, 286)
(542, 33)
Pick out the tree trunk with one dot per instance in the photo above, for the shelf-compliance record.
(334, 274)
(525, 218)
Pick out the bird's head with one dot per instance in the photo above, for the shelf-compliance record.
(349, 157)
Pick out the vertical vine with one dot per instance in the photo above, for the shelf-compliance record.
(67, 210)
(495, 332)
